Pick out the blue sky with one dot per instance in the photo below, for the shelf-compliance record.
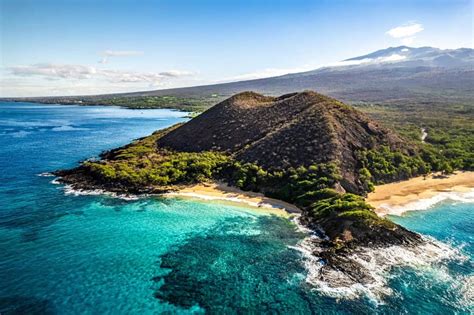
(66, 47)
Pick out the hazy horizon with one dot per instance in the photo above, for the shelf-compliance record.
(56, 48)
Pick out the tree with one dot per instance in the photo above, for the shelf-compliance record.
(446, 168)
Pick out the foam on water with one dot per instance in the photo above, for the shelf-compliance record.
(424, 204)
(466, 287)
(69, 190)
(377, 262)
(68, 128)
(45, 174)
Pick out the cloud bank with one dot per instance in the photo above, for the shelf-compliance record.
(80, 72)
(269, 72)
(273, 72)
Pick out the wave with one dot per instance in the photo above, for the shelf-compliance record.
(70, 190)
(235, 198)
(32, 124)
(466, 287)
(45, 174)
(19, 134)
(68, 128)
(427, 203)
(376, 264)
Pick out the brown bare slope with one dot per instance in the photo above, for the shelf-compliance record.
(298, 129)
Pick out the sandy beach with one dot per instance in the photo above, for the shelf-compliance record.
(223, 193)
(420, 193)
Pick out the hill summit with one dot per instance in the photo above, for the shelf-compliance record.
(293, 130)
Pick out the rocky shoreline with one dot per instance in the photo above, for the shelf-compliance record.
(342, 258)
(79, 179)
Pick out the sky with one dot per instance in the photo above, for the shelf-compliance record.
(78, 47)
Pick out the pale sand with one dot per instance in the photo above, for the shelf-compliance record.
(224, 193)
(420, 193)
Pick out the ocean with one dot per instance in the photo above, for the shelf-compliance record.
(64, 253)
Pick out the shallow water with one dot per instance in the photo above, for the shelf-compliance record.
(96, 254)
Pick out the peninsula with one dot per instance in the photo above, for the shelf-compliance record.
(306, 149)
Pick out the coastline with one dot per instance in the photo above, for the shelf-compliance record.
(218, 191)
(420, 193)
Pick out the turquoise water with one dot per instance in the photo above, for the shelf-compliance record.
(65, 254)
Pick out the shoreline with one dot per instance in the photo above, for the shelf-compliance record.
(420, 193)
(188, 113)
(222, 192)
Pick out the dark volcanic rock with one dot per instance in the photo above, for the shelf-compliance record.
(292, 130)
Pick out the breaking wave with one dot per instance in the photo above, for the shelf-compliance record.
(68, 128)
(424, 204)
(378, 264)
(70, 190)
(46, 174)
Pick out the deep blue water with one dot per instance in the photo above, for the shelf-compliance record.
(65, 254)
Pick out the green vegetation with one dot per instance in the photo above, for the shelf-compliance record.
(141, 165)
(188, 104)
(449, 144)
(309, 188)
(293, 185)
(384, 166)
(166, 169)
(144, 167)
(346, 206)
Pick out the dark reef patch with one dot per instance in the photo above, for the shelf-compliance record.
(230, 271)
(215, 262)
(25, 305)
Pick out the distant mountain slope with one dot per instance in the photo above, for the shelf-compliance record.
(393, 75)
(423, 56)
(298, 129)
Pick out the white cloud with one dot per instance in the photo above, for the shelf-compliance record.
(269, 72)
(347, 63)
(176, 73)
(273, 72)
(80, 72)
(407, 30)
(54, 71)
(118, 53)
(391, 58)
(16, 86)
(366, 61)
